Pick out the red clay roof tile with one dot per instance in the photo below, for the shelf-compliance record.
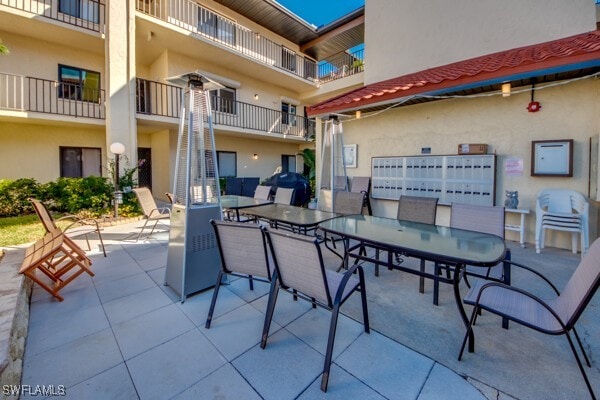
(556, 53)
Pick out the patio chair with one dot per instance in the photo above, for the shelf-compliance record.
(556, 316)
(416, 209)
(151, 211)
(484, 219)
(562, 210)
(300, 269)
(233, 186)
(77, 226)
(171, 197)
(243, 250)
(345, 203)
(362, 184)
(283, 196)
(249, 185)
(58, 258)
(263, 192)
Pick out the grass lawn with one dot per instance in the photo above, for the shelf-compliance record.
(19, 230)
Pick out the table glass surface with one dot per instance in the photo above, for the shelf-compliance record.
(293, 215)
(236, 202)
(438, 243)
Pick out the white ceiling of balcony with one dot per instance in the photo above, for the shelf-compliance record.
(339, 35)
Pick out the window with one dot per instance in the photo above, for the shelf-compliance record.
(288, 163)
(227, 163)
(223, 100)
(288, 59)
(84, 9)
(78, 84)
(288, 114)
(80, 162)
(216, 26)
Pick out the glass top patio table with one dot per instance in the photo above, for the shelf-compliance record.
(234, 202)
(297, 217)
(431, 242)
(441, 244)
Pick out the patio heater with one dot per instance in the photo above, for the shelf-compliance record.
(193, 259)
(333, 167)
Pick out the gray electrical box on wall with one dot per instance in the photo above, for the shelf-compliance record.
(460, 179)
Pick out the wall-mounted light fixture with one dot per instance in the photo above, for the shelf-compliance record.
(255, 96)
(255, 156)
(506, 89)
(150, 35)
(358, 114)
(257, 35)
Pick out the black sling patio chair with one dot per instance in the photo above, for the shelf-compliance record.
(300, 269)
(243, 251)
(556, 316)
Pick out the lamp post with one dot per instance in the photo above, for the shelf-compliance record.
(117, 149)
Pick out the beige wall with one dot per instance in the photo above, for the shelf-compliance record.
(424, 34)
(38, 59)
(269, 154)
(32, 151)
(570, 111)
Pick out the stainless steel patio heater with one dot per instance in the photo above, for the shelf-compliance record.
(193, 259)
(333, 167)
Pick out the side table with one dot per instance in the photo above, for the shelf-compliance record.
(518, 228)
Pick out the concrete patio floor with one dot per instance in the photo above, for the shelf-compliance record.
(124, 335)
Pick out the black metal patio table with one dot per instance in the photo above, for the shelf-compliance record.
(237, 203)
(298, 219)
(451, 246)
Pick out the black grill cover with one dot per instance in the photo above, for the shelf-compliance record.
(291, 180)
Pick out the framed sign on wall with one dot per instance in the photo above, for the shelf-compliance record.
(552, 158)
(350, 155)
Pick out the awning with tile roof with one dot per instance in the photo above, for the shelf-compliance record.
(561, 59)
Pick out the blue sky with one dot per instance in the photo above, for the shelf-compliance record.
(321, 12)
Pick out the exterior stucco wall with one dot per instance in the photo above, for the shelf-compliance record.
(32, 151)
(38, 59)
(412, 35)
(269, 154)
(570, 111)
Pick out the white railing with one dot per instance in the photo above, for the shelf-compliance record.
(189, 15)
(12, 92)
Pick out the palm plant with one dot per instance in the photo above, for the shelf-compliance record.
(3, 48)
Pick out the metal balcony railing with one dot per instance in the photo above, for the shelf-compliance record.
(341, 65)
(194, 18)
(23, 93)
(87, 14)
(155, 98)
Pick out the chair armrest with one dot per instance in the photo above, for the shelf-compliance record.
(76, 220)
(344, 282)
(160, 211)
(516, 264)
(524, 293)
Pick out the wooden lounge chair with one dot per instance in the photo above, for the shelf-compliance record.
(243, 250)
(58, 258)
(556, 316)
(300, 269)
(77, 226)
(151, 211)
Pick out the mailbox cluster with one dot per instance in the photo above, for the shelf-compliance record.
(461, 179)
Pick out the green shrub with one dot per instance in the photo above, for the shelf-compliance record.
(73, 195)
(14, 196)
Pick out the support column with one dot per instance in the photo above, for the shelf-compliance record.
(120, 79)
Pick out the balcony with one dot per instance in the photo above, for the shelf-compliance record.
(341, 65)
(86, 14)
(23, 93)
(194, 18)
(159, 99)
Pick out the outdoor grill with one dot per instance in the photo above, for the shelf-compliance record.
(193, 259)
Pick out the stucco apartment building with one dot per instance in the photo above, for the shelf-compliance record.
(436, 83)
(83, 74)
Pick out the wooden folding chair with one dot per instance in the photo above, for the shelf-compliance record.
(88, 225)
(58, 258)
